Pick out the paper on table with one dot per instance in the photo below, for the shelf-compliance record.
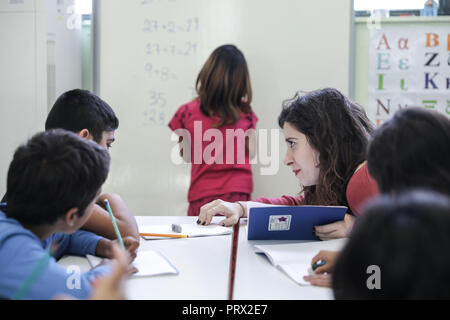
(294, 259)
(189, 229)
(148, 263)
(296, 271)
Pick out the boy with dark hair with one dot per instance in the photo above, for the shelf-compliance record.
(53, 183)
(84, 113)
(412, 150)
(398, 250)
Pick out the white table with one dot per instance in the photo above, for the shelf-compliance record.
(203, 265)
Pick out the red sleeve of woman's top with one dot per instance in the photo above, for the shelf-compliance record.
(360, 190)
(283, 201)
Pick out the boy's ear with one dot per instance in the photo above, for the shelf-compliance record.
(71, 217)
(85, 134)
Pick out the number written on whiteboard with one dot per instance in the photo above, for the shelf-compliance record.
(189, 25)
(153, 117)
(154, 114)
(157, 99)
(156, 49)
(162, 74)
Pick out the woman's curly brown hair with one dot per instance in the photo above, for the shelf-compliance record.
(339, 130)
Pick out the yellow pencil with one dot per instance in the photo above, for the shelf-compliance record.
(163, 235)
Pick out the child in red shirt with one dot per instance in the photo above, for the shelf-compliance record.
(217, 131)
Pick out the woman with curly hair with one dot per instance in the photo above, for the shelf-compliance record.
(327, 137)
(410, 151)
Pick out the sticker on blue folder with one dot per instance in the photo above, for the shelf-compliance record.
(290, 222)
(280, 223)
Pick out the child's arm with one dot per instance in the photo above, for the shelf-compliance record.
(185, 148)
(250, 138)
(110, 288)
(100, 222)
(56, 280)
(24, 255)
(250, 144)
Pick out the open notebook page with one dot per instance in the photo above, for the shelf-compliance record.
(294, 259)
(148, 263)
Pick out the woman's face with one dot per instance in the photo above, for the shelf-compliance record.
(300, 156)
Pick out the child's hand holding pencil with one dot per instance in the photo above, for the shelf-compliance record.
(128, 243)
(105, 247)
(131, 245)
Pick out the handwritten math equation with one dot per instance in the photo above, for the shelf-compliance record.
(170, 44)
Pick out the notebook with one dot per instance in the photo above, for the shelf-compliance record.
(148, 263)
(290, 222)
(294, 259)
(189, 229)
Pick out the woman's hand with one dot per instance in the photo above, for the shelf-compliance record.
(319, 280)
(322, 276)
(329, 257)
(336, 230)
(232, 212)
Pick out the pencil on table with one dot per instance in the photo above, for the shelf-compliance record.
(163, 235)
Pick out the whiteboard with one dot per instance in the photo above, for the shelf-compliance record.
(150, 53)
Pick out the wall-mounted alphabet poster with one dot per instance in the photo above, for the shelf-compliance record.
(408, 67)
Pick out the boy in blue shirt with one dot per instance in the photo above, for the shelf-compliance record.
(53, 183)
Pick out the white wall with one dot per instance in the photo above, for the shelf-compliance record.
(36, 40)
(63, 48)
(23, 102)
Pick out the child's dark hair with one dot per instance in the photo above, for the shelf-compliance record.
(52, 173)
(223, 85)
(412, 149)
(79, 109)
(407, 239)
(339, 130)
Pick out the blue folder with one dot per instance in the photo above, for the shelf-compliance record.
(290, 222)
